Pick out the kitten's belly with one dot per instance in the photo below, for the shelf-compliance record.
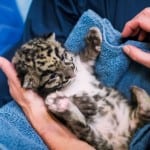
(79, 87)
(113, 125)
(84, 81)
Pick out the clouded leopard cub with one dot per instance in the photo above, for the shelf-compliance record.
(97, 114)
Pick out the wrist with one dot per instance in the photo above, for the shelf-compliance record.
(50, 130)
(43, 121)
(38, 117)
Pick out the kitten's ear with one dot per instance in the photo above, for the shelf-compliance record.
(51, 37)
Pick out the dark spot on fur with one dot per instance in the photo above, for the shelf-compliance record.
(101, 86)
(102, 111)
(41, 63)
(108, 103)
(49, 51)
(97, 97)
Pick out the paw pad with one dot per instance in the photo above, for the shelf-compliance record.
(57, 102)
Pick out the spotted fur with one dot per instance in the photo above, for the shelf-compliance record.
(97, 114)
(43, 65)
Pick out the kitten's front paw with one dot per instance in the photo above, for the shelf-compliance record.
(94, 39)
(86, 104)
(57, 102)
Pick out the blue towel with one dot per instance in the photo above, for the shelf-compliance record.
(20, 134)
(15, 131)
(113, 67)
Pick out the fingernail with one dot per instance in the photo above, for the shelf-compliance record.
(126, 49)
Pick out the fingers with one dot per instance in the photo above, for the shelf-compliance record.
(14, 85)
(142, 35)
(9, 71)
(131, 28)
(137, 55)
(25, 98)
(138, 25)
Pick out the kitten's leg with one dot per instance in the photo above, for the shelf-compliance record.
(86, 104)
(141, 113)
(143, 103)
(62, 106)
(93, 45)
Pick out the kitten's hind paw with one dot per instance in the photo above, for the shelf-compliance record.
(143, 103)
(57, 102)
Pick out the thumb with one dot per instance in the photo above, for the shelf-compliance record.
(137, 55)
(9, 70)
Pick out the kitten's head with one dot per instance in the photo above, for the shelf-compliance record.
(44, 65)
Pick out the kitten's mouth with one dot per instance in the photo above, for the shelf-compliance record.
(70, 79)
(68, 82)
(70, 76)
(70, 73)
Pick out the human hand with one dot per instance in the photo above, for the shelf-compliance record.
(25, 98)
(32, 105)
(138, 27)
(53, 133)
(137, 55)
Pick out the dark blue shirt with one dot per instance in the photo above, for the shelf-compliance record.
(60, 16)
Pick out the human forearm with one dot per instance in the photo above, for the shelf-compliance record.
(54, 134)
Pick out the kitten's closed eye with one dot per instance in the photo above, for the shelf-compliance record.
(53, 75)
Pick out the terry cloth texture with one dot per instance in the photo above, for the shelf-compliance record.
(113, 67)
(15, 131)
(53, 16)
(20, 135)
